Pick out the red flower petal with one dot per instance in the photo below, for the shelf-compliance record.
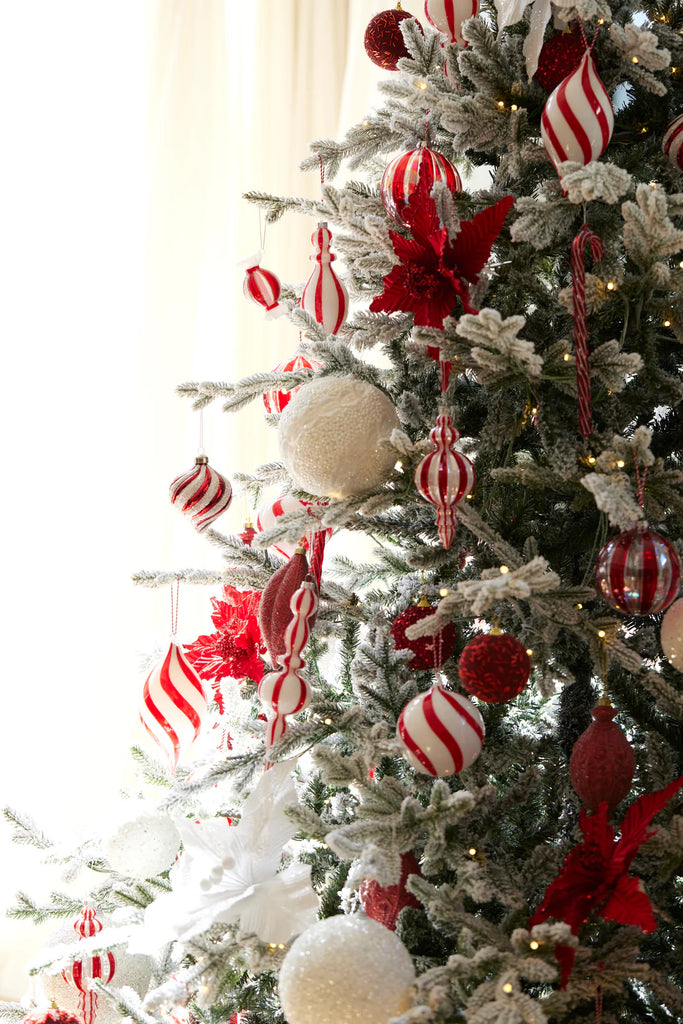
(471, 247)
(628, 904)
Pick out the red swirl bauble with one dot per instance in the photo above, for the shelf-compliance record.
(638, 572)
(384, 903)
(384, 40)
(494, 667)
(560, 55)
(602, 762)
(428, 651)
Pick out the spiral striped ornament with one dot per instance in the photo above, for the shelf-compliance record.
(275, 401)
(267, 517)
(262, 287)
(402, 175)
(578, 119)
(173, 704)
(638, 572)
(324, 296)
(447, 16)
(442, 732)
(672, 143)
(585, 238)
(444, 476)
(100, 967)
(202, 494)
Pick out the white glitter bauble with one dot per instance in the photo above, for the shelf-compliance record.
(671, 634)
(346, 970)
(144, 845)
(133, 971)
(331, 436)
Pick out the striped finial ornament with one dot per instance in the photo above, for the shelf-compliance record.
(100, 967)
(672, 143)
(173, 704)
(202, 494)
(442, 732)
(276, 401)
(638, 572)
(324, 296)
(447, 16)
(578, 119)
(402, 176)
(444, 476)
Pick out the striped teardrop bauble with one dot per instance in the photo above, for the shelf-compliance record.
(447, 16)
(173, 704)
(672, 143)
(275, 401)
(101, 966)
(638, 572)
(324, 296)
(262, 287)
(402, 176)
(578, 119)
(202, 494)
(442, 732)
(444, 476)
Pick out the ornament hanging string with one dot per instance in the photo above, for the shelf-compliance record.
(322, 169)
(200, 449)
(175, 595)
(589, 46)
(262, 227)
(640, 479)
(584, 238)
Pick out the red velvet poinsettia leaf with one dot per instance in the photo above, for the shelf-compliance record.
(628, 904)
(565, 958)
(597, 831)
(409, 250)
(471, 247)
(564, 901)
(638, 817)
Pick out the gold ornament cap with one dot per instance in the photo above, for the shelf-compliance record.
(201, 460)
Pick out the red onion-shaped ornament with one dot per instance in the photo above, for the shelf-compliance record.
(261, 286)
(384, 903)
(402, 176)
(442, 732)
(638, 572)
(447, 16)
(384, 43)
(101, 966)
(444, 476)
(202, 494)
(275, 401)
(494, 667)
(602, 762)
(429, 652)
(274, 612)
(324, 296)
(173, 704)
(267, 517)
(672, 143)
(578, 119)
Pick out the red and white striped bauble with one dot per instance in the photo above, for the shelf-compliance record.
(173, 704)
(101, 966)
(267, 517)
(444, 477)
(261, 286)
(202, 494)
(402, 176)
(325, 297)
(442, 732)
(275, 401)
(672, 143)
(447, 16)
(578, 119)
(638, 572)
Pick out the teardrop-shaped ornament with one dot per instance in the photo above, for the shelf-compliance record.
(578, 119)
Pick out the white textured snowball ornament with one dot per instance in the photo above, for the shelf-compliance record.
(346, 970)
(332, 437)
(143, 845)
(672, 634)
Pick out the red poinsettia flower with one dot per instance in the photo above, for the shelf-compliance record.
(234, 650)
(434, 273)
(595, 876)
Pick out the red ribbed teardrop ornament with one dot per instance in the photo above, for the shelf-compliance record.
(602, 762)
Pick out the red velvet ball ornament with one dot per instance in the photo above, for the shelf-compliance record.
(428, 651)
(384, 40)
(560, 55)
(602, 761)
(385, 903)
(494, 667)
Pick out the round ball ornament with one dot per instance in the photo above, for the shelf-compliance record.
(429, 652)
(267, 517)
(442, 732)
(143, 845)
(346, 970)
(602, 762)
(638, 572)
(384, 43)
(672, 143)
(560, 55)
(671, 635)
(334, 434)
(275, 401)
(494, 667)
(405, 171)
(447, 16)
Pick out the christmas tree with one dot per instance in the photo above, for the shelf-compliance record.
(448, 782)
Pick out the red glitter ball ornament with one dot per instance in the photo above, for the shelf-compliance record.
(494, 667)
(384, 43)
(384, 903)
(560, 55)
(602, 761)
(428, 651)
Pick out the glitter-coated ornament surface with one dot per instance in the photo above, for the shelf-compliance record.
(602, 762)
(333, 435)
(274, 613)
(89, 967)
(384, 903)
(143, 845)
(402, 175)
(202, 494)
(671, 635)
(494, 667)
(442, 732)
(638, 572)
(428, 651)
(346, 970)
(444, 477)
(447, 16)
(672, 143)
(324, 296)
(173, 704)
(578, 119)
(275, 401)
(268, 515)
(560, 55)
(384, 43)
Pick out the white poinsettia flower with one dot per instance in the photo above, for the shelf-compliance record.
(229, 874)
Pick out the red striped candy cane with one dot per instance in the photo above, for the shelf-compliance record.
(583, 382)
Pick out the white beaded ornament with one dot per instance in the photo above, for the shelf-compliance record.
(442, 732)
(143, 845)
(578, 119)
